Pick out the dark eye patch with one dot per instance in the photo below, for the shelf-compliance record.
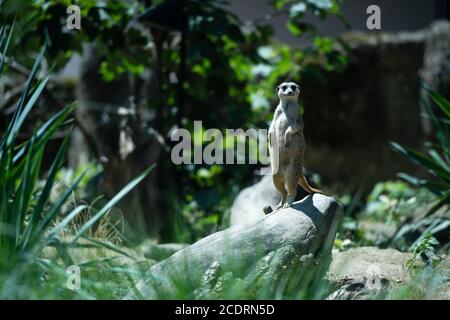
(293, 87)
(283, 88)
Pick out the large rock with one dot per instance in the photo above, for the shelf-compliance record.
(248, 206)
(367, 272)
(250, 202)
(373, 273)
(257, 256)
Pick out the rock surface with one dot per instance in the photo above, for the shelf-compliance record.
(248, 207)
(249, 204)
(161, 251)
(257, 254)
(367, 272)
(373, 273)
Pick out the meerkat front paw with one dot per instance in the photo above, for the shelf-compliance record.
(287, 136)
(287, 205)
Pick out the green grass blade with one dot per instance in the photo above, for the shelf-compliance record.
(434, 186)
(108, 246)
(23, 195)
(440, 101)
(56, 207)
(441, 129)
(56, 165)
(67, 220)
(35, 233)
(112, 203)
(439, 160)
(422, 160)
(38, 210)
(445, 199)
(9, 137)
(46, 130)
(26, 110)
(5, 49)
(2, 35)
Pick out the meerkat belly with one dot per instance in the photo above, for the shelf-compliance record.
(280, 128)
(294, 140)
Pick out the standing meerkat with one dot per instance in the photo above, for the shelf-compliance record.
(287, 145)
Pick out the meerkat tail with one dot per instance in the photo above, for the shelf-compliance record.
(304, 184)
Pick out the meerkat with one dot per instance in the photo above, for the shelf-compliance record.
(287, 145)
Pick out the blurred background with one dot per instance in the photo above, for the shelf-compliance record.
(137, 70)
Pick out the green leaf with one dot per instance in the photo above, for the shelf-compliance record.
(433, 186)
(24, 192)
(445, 199)
(46, 130)
(9, 136)
(435, 155)
(440, 101)
(39, 209)
(24, 113)
(422, 160)
(5, 48)
(67, 220)
(56, 207)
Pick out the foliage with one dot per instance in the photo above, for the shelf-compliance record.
(30, 221)
(423, 251)
(426, 284)
(103, 22)
(43, 228)
(429, 272)
(437, 158)
(390, 206)
(436, 161)
(247, 67)
(393, 201)
(236, 65)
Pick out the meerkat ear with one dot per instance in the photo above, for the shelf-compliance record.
(278, 89)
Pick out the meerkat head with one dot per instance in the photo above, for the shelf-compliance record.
(288, 91)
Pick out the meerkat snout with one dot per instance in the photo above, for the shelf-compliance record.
(288, 90)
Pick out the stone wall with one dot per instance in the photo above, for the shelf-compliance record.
(351, 116)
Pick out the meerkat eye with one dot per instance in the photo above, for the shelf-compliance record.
(294, 87)
(283, 88)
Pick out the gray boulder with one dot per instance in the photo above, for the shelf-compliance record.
(256, 257)
(367, 273)
(373, 273)
(248, 206)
